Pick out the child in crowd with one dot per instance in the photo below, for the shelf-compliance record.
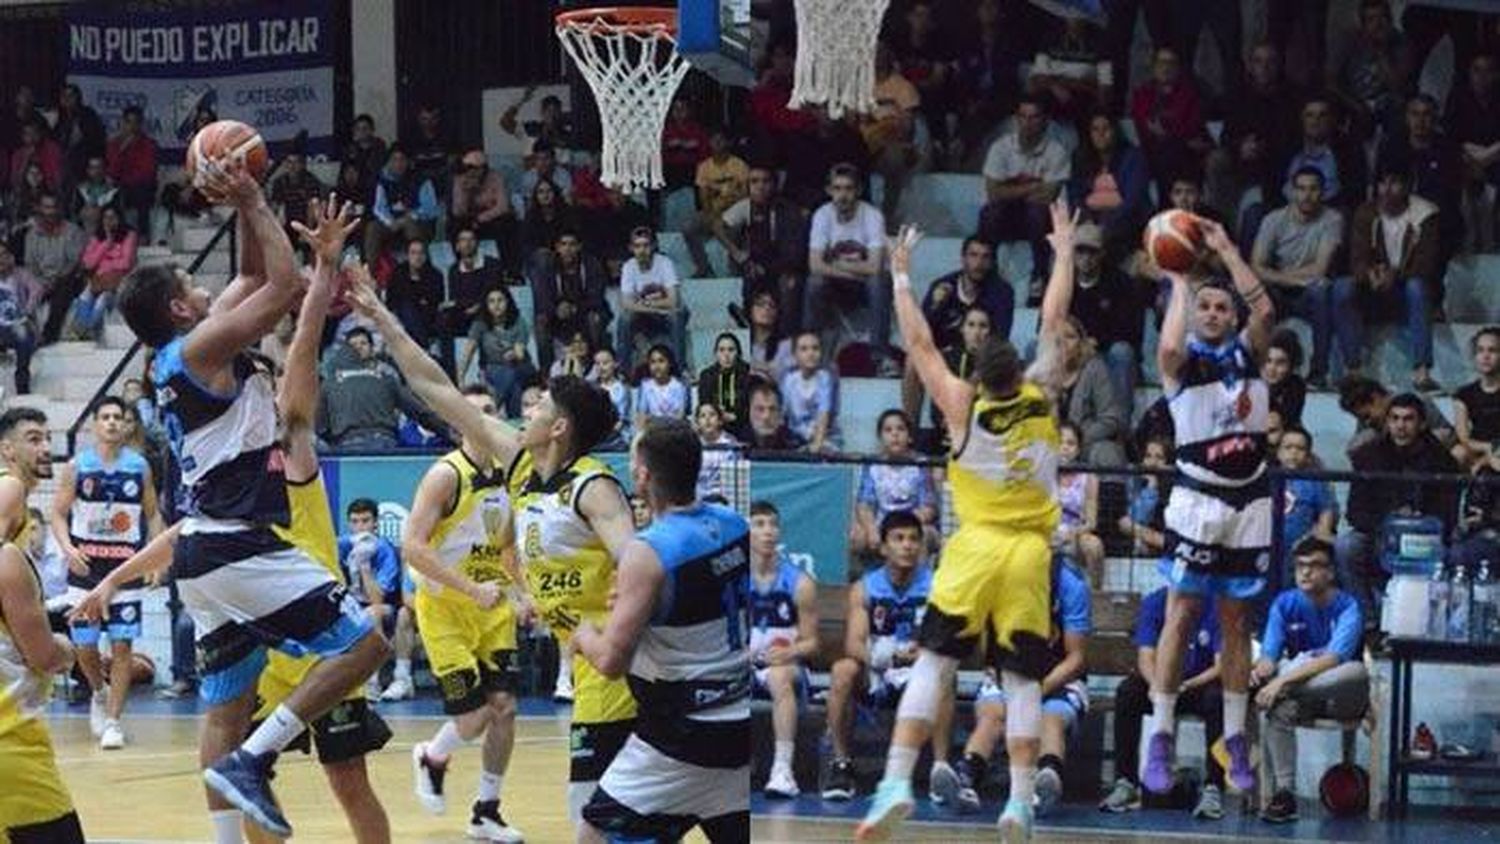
(886, 487)
(606, 374)
(1078, 492)
(718, 449)
(1144, 523)
(576, 359)
(661, 392)
(810, 395)
(725, 384)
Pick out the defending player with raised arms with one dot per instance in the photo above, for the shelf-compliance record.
(993, 578)
(571, 516)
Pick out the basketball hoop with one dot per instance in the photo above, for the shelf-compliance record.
(836, 54)
(629, 57)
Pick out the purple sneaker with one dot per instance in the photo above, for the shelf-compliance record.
(1240, 773)
(1156, 776)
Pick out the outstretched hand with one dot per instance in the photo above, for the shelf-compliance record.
(1214, 236)
(333, 223)
(901, 247)
(361, 293)
(1064, 224)
(227, 183)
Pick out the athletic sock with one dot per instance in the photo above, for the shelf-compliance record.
(1022, 784)
(489, 786)
(1164, 713)
(783, 759)
(275, 733)
(227, 826)
(444, 743)
(1235, 705)
(900, 761)
(403, 670)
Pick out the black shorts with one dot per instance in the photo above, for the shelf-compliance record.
(621, 823)
(348, 731)
(593, 746)
(469, 689)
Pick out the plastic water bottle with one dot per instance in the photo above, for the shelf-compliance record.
(1484, 611)
(1459, 602)
(1437, 604)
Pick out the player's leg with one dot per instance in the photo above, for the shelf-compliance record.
(486, 822)
(350, 782)
(85, 636)
(1234, 661)
(562, 691)
(1060, 715)
(848, 679)
(451, 638)
(405, 642)
(224, 726)
(942, 730)
(973, 768)
(647, 795)
(781, 681)
(124, 628)
(1183, 610)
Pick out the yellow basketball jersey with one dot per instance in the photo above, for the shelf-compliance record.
(23, 533)
(23, 692)
(569, 572)
(475, 535)
(1005, 472)
(312, 532)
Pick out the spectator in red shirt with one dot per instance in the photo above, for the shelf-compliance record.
(130, 159)
(37, 147)
(684, 143)
(773, 121)
(1168, 114)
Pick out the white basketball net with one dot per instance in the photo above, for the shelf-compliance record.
(634, 88)
(836, 54)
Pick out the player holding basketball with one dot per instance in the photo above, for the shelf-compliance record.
(679, 628)
(34, 804)
(349, 731)
(572, 522)
(459, 543)
(246, 587)
(1218, 518)
(993, 579)
(104, 511)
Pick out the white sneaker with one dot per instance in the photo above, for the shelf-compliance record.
(428, 780)
(563, 691)
(97, 716)
(399, 689)
(781, 784)
(112, 737)
(487, 824)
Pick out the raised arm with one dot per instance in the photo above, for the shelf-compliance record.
(155, 558)
(1171, 345)
(1257, 333)
(252, 268)
(1057, 302)
(298, 397)
(951, 394)
(428, 381)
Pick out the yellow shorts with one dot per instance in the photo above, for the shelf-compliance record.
(995, 586)
(472, 651)
(32, 789)
(283, 674)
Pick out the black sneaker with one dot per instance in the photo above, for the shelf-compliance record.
(1281, 809)
(245, 781)
(839, 782)
(487, 824)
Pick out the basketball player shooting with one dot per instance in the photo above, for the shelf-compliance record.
(994, 578)
(1218, 518)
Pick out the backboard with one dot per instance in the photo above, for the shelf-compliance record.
(717, 37)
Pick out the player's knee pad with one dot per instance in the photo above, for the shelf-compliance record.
(930, 674)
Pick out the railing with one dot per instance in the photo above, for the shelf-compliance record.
(228, 226)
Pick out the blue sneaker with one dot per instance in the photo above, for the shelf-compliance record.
(1015, 822)
(245, 781)
(1156, 774)
(1239, 772)
(891, 804)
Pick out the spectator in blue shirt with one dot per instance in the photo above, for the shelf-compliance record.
(1201, 695)
(1309, 666)
(405, 204)
(1310, 506)
(1065, 700)
(372, 568)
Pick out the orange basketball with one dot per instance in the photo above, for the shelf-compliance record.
(1173, 240)
(228, 141)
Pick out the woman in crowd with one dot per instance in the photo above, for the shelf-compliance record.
(108, 258)
(1088, 399)
(770, 352)
(725, 384)
(1110, 183)
(892, 484)
(499, 335)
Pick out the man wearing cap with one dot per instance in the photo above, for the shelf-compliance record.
(479, 201)
(1309, 666)
(1293, 255)
(1111, 306)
